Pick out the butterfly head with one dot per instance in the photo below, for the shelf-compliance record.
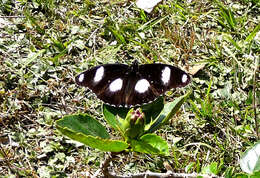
(134, 67)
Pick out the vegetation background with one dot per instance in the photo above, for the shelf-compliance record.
(44, 44)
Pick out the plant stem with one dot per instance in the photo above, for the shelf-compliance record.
(254, 101)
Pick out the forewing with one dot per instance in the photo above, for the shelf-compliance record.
(100, 80)
(155, 79)
(164, 77)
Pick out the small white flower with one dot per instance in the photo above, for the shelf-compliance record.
(147, 5)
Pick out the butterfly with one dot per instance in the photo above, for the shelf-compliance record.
(121, 85)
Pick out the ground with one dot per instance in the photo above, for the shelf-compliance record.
(45, 44)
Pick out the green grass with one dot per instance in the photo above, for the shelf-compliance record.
(45, 44)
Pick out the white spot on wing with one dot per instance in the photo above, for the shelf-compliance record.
(142, 86)
(166, 75)
(116, 85)
(184, 78)
(99, 74)
(81, 78)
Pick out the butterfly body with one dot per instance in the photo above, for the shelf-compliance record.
(121, 85)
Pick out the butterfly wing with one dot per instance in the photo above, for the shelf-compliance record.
(164, 77)
(153, 80)
(106, 81)
(127, 86)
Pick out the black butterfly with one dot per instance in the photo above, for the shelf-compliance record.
(121, 85)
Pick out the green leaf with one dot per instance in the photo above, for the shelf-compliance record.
(212, 168)
(151, 144)
(241, 175)
(110, 114)
(34, 22)
(83, 123)
(250, 160)
(118, 35)
(168, 111)
(229, 172)
(31, 59)
(56, 58)
(229, 39)
(227, 16)
(189, 167)
(88, 131)
(153, 109)
(59, 45)
(255, 175)
(251, 36)
(95, 142)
